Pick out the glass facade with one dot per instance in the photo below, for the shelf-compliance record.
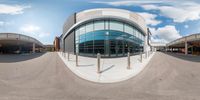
(109, 38)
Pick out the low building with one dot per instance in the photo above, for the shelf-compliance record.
(188, 44)
(18, 43)
(158, 46)
(56, 44)
(49, 48)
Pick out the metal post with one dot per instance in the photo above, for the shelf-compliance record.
(33, 50)
(76, 59)
(98, 62)
(141, 57)
(68, 56)
(186, 48)
(129, 62)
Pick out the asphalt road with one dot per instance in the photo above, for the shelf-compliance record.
(45, 77)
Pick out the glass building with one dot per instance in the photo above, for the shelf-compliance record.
(109, 38)
(92, 31)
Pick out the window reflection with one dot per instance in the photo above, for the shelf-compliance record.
(110, 38)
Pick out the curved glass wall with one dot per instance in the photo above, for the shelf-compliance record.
(110, 38)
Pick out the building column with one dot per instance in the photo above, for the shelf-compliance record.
(186, 47)
(145, 49)
(33, 50)
(192, 49)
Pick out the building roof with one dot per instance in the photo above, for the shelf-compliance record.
(14, 38)
(190, 38)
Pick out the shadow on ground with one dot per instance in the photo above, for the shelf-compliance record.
(192, 58)
(107, 68)
(8, 58)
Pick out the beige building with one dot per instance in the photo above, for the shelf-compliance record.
(188, 44)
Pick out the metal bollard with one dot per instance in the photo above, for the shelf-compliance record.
(141, 57)
(68, 56)
(129, 62)
(76, 59)
(98, 62)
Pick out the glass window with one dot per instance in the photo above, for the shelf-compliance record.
(134, 32)
(140, 36)
(100, 37)
(82, 30)
(106, 25)
(143, 37)
(128, 29)
(137, 34)
(89, 36)
(77, 41)
(99, 25)
(77, 33)
(110, 38)
(116, 26)
(89, 27)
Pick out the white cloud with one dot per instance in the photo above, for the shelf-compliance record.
(129, 2)
(149, 7)
(186, 26)
(179, 12)
(157, 40)
(150, 18)
(34, 31)
(165, 34)
(1, 23)
(44, 34)
(4, 23)
(30, 28)
(12, 9)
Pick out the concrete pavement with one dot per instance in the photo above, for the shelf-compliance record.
(45, 77)
(111, 69)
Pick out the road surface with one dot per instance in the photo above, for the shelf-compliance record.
(45, 77)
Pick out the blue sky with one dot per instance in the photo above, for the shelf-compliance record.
(44, 19)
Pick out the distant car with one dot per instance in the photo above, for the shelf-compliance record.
(17, 52)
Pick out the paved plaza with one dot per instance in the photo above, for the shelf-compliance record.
(45, 77)
(111, 69)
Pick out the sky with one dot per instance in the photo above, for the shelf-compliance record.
(44, 19)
